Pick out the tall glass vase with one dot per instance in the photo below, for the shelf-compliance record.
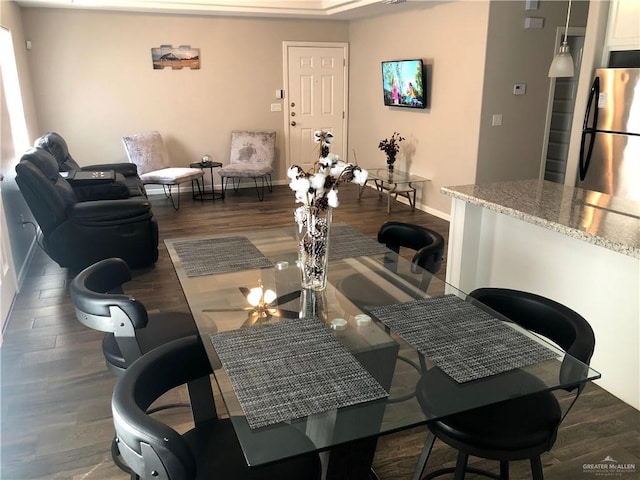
(390, 161)
(313, 246)
(313, 304)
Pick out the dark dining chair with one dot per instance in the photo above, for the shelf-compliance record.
(131, 331)
(429, 250)
(522, 428)
(428, 245)
(211, 449)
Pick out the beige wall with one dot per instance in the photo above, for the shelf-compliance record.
(89, 74)
(442, 140)
(518, 55)
(94, 82)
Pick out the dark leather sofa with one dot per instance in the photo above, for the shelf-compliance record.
(75, 233)
(126, 182)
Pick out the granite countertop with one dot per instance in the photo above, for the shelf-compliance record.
(604, 220)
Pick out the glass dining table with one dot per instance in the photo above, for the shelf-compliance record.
(342, 365)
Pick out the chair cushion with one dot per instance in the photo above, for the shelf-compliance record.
(171, 175)
(218, 455)
(527, 424)
(240, 170)
(162, 328)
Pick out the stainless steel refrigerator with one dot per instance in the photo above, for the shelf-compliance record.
(610, 147)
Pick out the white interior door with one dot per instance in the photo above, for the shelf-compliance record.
(315, 99)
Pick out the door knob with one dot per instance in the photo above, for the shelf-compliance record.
(293, 123)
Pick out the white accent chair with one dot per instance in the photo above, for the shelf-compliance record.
(149, 153)
(251, 156)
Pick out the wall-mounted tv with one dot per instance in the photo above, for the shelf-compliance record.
(403, 83)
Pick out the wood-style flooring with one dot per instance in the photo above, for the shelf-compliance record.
(56, 390)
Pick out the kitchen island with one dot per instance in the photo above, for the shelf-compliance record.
(578, 247)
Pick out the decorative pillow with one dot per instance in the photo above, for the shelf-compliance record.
(252, 148)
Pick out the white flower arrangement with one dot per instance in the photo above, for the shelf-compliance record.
(318, 188)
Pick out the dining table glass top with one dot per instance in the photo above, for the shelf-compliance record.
(259, 329)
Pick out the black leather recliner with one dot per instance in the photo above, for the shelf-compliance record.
(76, 234)
(126, 183)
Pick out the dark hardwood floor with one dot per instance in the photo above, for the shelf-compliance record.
(56, 391)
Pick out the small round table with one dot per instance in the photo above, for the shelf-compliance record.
(201, 193)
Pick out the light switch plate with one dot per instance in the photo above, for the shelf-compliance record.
(276, 107)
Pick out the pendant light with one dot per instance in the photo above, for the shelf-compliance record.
(562, 65)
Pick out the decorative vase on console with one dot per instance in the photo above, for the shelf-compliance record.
(317, 190)
(391, 159)
(391, 146)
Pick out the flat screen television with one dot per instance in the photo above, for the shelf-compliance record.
(403, 83)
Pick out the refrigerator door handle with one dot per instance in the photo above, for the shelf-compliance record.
(585, 158)
(594, 93)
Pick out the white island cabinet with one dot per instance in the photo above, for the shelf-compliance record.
(578, 247)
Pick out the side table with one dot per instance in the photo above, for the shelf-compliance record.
(394, 183)
(203, 193)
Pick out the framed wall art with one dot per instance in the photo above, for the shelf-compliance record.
(175, 57)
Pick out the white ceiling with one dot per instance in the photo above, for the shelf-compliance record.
(328, 9)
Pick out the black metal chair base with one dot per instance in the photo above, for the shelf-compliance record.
(266, 180)
(477, 471)
(411, 394)
(169, 194)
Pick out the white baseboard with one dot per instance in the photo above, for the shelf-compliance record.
(24, 268)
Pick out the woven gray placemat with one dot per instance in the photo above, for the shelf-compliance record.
(209, 256)
(292, 369)
(346, 241)
(463, 340)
